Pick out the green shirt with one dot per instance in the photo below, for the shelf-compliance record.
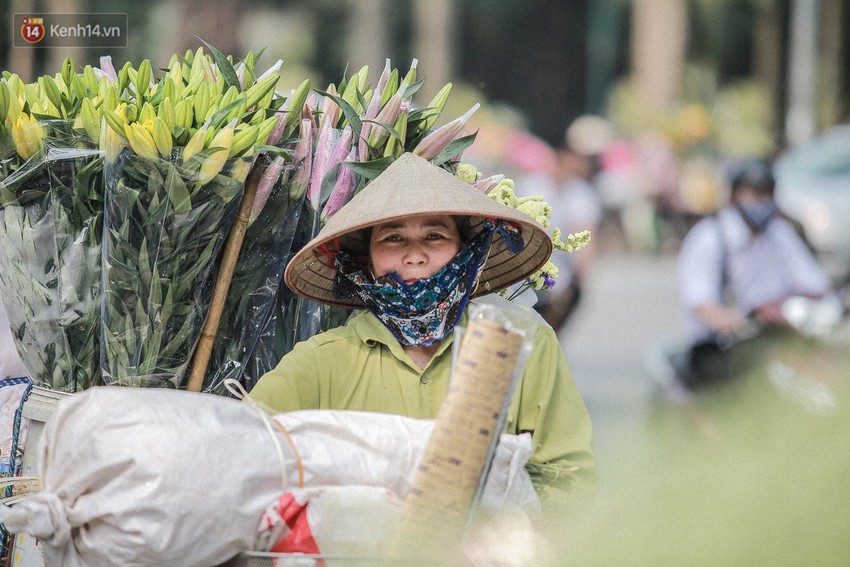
(361, 366)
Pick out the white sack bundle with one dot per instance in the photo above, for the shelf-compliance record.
(136, 476)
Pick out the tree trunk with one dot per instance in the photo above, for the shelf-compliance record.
(659, 31)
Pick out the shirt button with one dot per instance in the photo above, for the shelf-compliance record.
(424, 379)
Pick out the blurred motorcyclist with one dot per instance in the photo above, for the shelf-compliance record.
(740, 264)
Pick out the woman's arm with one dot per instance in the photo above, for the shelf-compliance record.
(550, 407)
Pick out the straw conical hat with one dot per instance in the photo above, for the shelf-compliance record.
(412, 186)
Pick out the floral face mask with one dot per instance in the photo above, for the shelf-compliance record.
(427, 310)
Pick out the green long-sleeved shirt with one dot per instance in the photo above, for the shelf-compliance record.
(361, 366)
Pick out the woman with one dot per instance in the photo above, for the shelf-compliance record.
(411, 249)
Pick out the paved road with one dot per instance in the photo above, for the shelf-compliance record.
(749, 474)
(629, 305)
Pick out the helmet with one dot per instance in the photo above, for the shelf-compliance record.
(755, 174)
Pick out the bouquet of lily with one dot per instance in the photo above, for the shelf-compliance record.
(51, 176)
(277, 225)
(178, 151)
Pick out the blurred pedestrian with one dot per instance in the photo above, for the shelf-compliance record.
(575, 207)
(740, 265)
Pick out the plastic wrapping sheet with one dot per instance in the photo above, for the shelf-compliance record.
(258, 317)
(331, 185)
(50, 224)
(178, 478)
(163, 233)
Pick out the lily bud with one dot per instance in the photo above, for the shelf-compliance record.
(183, 114)
(384, 78)
(67, 70)
(388, 115)
(343, 189)
(294, 104)
(143, 79)
(48, 85)
(201, 103)
(229, 96)
(90, 79)
(110, 98)
(410, 78)
(371, 113)
(259, 90)
(242, 140)
(264, 188)
(91, 118)
(28, 136)
(331, 111)
(438, 140)
(195, 144)
(169, 91)
(302, 159)
(350, 93)
(141, 141)
(78, 87)
(175, 70)
(220, 148)
(436, 105)
(4, 101)
(124, 77)
(13, 111)
(107, 68)
(116, 121)
(394, 146)
(147, 113)
(391, 87)
(168, 113)
(265, 128)
(162, 137)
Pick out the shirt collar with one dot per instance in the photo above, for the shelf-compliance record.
(371, 331)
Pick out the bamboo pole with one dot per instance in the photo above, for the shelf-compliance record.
(203, 350)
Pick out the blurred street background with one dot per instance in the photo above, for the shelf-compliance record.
(662, 97)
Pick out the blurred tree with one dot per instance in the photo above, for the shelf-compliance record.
(434, 43)
(530, 54)
(214, 22)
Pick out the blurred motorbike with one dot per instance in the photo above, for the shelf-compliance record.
(814, 325)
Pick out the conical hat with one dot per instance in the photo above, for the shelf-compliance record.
(412, 186)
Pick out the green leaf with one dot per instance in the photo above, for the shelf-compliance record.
(224, 66)
(349, 112)
(412, 89)
(370, 169)
(274, 150)
(392, 131)
(178, 193)
(454, 148)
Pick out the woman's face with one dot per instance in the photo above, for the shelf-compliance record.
(415, 248)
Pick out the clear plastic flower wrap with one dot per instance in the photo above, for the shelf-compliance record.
(165, 222)
(252, 335)
(51, 207)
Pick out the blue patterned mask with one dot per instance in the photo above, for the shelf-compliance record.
(427, 310)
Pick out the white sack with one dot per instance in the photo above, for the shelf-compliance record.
(163, 477)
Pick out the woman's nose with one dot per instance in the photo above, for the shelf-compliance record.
(415, 255)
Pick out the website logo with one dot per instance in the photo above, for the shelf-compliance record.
(70, 30)
(32, 30)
